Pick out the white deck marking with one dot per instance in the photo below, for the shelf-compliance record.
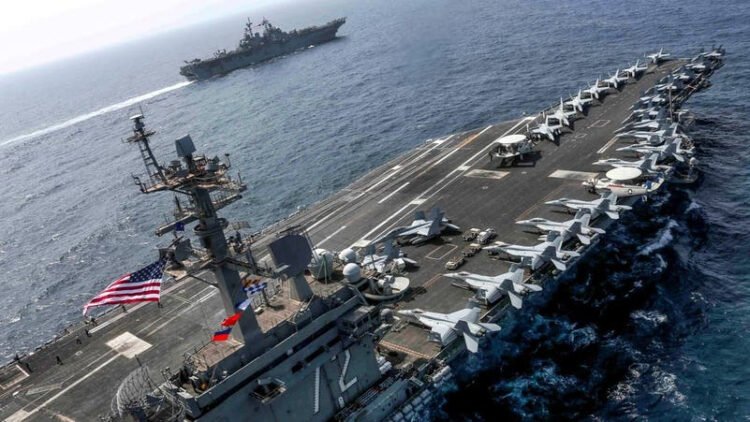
(606, 146)
(329, 215)
(435, 145)
(20, 376)
(487, 174)
(383, 180)
(451, 247)
(331, 235)
(182, 312)
(600, 123)
(384, 222)
(18, 416)
(43, 389)
(455, 150)
(421, 198)
(462, 168)
(393, 193)
(69, 387)
(572, 175)
(128, 345)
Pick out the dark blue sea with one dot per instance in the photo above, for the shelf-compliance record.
(652, 325)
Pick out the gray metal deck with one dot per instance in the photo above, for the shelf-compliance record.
(452, 172)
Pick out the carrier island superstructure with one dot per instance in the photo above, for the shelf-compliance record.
(342, 328)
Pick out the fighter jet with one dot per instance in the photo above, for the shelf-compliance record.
(635, 70)
(715, 53)
(618, 79)
(444, 328)
(548, 251)
(490, 289)
(684, 74)
(543, 131)
(392, 258)
(577, 102)
(658, 57)
(421, 229)
(645, 164)
(655, 137)
(597, 90)
(698, 65)
(644, 114)
(671, 148)
(566, 113)
(606, 204)
(578, 226)
(669, 84)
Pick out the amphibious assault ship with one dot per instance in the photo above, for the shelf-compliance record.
(255, 47)
(368, 333)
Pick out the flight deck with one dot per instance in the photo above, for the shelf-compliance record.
(453, 172)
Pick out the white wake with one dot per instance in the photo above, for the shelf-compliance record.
(101, 111)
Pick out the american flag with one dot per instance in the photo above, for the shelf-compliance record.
(143, 285)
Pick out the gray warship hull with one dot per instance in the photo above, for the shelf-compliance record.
(331, 367)
(237, 59)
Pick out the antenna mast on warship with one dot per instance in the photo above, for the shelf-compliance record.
(198, 179)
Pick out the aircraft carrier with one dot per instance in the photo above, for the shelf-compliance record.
(327, 338)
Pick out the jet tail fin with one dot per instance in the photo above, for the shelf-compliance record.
(559, 264)
(532, 287)
(584, 239)
(515, 300)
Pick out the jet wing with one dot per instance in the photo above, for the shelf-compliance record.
(521, 251)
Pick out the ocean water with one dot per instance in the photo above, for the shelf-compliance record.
(652, 325)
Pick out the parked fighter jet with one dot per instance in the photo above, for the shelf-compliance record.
(491, 288)
(635, 70)
(606, 204)
(548, 251)
(578, 226)
(543, 131)
(617, 80)
(421, 229)
(566, 113)
(597, 90)
(446, 327)
(669, 84)
(658, 57)
(685, 74)
(577, 102)
(392, 258)
(715, 53)
(655, 137)
(671, 148)
(645, 164)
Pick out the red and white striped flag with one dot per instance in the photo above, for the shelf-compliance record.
(143, 285)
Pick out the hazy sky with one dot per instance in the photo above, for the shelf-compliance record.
(39, 31)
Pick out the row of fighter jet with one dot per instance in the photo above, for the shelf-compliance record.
(656, 130)
(660, 138)
(569, 110)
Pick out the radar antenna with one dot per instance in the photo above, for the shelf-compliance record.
(209, 187)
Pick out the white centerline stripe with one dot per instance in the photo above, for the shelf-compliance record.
(393, 193)
(467, 162)
(331, 235)
(455, 150)
(381, 181)
(606, 146)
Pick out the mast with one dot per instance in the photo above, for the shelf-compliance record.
(208, 186)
